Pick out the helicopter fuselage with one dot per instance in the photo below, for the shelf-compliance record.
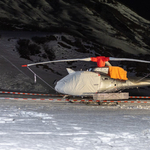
(81, 83)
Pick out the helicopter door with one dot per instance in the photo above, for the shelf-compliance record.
(93, 83)
(84, 83)
(97, 83)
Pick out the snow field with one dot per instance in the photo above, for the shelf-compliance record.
(64, 126)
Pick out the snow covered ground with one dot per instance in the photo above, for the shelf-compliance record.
(36, 125)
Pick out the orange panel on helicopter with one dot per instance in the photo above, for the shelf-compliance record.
(117, 73)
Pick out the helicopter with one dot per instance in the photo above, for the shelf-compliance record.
(104, 79)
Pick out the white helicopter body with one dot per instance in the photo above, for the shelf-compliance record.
(87, 83)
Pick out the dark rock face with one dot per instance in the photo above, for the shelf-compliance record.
(87, 19)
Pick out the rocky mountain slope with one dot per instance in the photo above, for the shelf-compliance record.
(74, 29)
(107, 22)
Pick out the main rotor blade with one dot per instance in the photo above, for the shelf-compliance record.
(64, 60)
(128, 59)
(90, 59)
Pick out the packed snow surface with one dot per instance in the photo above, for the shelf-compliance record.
(35, 125)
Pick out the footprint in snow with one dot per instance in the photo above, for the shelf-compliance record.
(77, 128)
(7, 120)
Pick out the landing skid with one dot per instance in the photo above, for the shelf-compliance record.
(110, 96)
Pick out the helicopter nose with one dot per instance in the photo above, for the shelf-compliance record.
(64, 85)
(59, 87)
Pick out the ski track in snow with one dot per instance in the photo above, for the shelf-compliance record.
(72, 127)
